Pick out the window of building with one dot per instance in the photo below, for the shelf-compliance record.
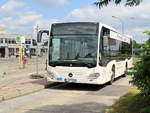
(9, 41)
(13, 41)
(28, 41)
(6, 40)
(1, 40)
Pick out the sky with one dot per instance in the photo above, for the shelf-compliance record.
(21, 16)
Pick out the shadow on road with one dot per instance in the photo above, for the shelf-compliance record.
(75, 86)
(73, 108)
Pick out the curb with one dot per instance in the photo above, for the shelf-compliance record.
(20, 92)
(25, 92)
(1, 98)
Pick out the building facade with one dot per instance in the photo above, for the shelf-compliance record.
(9, 47)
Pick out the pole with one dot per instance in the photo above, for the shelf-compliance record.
(132, 18)
(37, 66)
(20, 55)
(23, 56)
(37, 51)
(122, 23)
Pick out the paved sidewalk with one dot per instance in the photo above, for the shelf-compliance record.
(21, 87)
(16, 82)
(69, 98)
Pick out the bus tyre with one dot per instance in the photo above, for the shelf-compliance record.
(112, 76)
(126, 68)
(46, 85)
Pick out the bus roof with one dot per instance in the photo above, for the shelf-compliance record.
(116, 35)
(122, 37)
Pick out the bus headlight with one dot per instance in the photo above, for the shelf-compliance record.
(93, 76)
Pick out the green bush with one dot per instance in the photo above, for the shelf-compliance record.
(141, 70)
(141, 74)
(145, 110)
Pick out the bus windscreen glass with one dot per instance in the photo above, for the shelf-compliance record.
(71, 29)
(73, 45)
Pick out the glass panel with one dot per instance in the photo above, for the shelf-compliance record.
(114, 47)
(105, 46)
(74, 49)
(126, 50)
(56, 49)
(75, 29)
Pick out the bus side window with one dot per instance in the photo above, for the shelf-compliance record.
(105, 47)
(105, 50)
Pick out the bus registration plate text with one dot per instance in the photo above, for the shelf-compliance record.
(72, 80)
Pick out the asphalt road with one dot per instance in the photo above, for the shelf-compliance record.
(68, 98)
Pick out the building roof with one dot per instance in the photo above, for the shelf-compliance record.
(28, 36)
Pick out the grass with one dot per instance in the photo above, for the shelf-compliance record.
(132, 102)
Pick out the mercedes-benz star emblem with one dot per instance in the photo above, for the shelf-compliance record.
(70, 75)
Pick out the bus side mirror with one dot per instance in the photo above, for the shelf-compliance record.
(40, 33)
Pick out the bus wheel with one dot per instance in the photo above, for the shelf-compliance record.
(112, 76)
(126, 68)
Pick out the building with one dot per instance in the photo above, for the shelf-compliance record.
(9, 47)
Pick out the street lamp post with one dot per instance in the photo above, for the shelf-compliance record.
(122, 23)
(132, 18)
(37, 75)
(37, 49)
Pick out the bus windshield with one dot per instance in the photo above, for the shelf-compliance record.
(73, 50)
(74, 29)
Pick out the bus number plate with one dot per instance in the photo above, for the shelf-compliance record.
(72, 80)
(59, 78)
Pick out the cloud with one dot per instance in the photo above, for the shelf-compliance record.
(136, 19)
(18, 18)
(26, 19)
(88, 13)
(52, 3)
(10, 7)
(46, 23)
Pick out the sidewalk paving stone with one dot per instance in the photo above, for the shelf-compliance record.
(1, 98)
(10, 95)
(21, 87)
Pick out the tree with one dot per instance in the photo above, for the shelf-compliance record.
(102, 3)
(146, 46)
(136, 48)
(141, 70)
(147, 32)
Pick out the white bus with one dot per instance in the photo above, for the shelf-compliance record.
(86, 52)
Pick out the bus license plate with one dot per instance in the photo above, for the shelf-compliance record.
(72, 80)
(59, 78)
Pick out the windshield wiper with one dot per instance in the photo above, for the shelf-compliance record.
(89, 65)
(60, 63)
(72, 64)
